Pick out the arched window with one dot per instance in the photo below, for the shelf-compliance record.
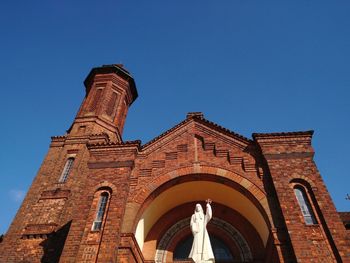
(101, 209)
(66, 170)
(305, 206)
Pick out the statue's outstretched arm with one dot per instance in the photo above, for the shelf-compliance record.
(208, 213)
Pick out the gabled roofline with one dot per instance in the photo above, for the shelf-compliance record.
(226, 131)
(164, 133)
(198, 117)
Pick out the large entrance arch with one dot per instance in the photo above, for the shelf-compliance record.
(173, 202)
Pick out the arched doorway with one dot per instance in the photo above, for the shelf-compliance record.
(222, 252)
(174, 202)
(228, 244)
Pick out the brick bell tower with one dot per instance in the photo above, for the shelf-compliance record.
(110, 90)
(97, 198)
(49, 223)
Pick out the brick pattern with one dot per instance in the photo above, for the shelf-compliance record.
(289, 158)
(51, 209)
(154, 161)
(128, 250)
(345, 218)
(54, 221)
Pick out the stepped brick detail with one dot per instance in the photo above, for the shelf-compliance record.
(124, 201)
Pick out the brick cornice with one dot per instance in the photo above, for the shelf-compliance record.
(113, 69)
(58, 141)
(95, 119)
(118, 150)
(283, 134)
(108, 145)
(280, 137)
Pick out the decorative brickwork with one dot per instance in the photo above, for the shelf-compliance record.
(150, 190)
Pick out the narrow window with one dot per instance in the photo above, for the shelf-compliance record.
(66, 170)
(101, 209)
(305, 206)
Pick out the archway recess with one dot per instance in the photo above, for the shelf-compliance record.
(219, 230)
(199, 190)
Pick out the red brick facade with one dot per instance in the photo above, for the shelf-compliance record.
(150, 191)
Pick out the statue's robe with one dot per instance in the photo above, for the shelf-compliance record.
(201, 247)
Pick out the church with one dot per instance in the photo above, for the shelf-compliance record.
(98, 198)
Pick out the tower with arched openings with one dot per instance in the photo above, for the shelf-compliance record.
(97, 198)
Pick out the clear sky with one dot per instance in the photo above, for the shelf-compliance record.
(250, 66)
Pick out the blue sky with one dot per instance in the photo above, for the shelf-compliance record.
(250, 66)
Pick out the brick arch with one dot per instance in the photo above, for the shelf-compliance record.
(306, 181)
(183, 211)
(104, 184)
(158, 184)
(142, 196)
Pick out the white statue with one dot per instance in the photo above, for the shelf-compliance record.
(201, 248)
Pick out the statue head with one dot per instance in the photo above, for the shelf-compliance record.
(199, 208)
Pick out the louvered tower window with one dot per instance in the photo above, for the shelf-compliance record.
(111, 103)
(305, 206)
(101, 209)
(96, 99)
(66, 170)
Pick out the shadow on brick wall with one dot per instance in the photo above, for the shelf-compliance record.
(54, 244)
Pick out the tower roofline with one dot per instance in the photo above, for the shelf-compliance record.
(283, 134)
(114, 68)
